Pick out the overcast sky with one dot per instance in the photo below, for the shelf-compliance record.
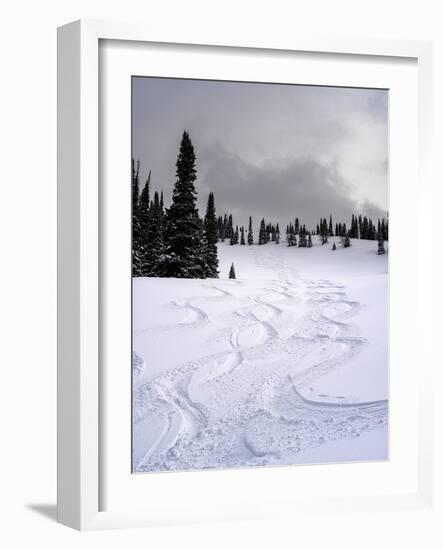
(268, 150)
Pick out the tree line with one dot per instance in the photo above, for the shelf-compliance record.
(177, 242)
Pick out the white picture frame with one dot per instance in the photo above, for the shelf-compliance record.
(80, 262)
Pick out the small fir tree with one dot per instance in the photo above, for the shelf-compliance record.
(262, 236)
(381, 245)
(250, 234)
(242, 235)
(232, 272)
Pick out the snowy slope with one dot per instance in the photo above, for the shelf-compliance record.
(286, 364)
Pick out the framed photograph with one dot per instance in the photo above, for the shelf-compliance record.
(236, 244)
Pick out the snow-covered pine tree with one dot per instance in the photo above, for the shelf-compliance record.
(210, 229)
(296, 226)
(143, 214)
(302, 241)
(273, 233)
(250, 234)
(184, 243)
(225, 227)
(290, 237)
(381, 245)
(136, 229)
(324, 231)
(242, 235)
(219, 227)
(230, 231)
(236, 235)
(334, 247)
(277, 235)
(153, 254)
(232, 272)
(309, 241)
(346, 241)
(330, 228)
(135, 185)
(262, 236)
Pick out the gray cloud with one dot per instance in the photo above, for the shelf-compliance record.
(276, 151)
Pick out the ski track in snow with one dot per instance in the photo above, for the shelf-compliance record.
(253, 403)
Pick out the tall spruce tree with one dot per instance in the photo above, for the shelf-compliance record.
(210, 227)
(232, 272)
(184, 243)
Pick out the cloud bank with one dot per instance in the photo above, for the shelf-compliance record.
(277, 151)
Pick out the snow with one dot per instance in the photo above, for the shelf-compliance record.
(287, 364)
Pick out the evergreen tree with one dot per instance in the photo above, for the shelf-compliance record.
(347, 241)
(273, 233)
(302, 241)
(324, 231)
(296, 226)
(290, 236)
(184, 243)
(330, 230)
(135, 185)
(381, 245)
(230, 228)
(232, 272)
(250, 234)
(262, 236)
(225, 227)
(136, 229)
(309, 241)
(334, 246)
(143, 214)
(153, 253)
(277, 235)
(242, 235)
(210, 227)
